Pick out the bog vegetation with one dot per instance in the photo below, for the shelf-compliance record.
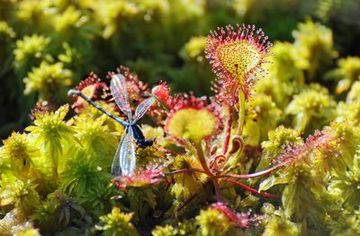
(273, 149)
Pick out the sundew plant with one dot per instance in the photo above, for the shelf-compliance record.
(274, 150)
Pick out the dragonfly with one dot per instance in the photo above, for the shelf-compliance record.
(124, 162)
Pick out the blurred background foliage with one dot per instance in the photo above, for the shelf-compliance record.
(48, 46)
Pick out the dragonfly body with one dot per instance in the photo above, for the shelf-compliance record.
(139, 136)
(125, 157)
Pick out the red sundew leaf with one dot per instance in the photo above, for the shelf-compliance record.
(188, 102)
(192, 124)
(139, 179)
(241, 220)
(162, 92)
(93, 88)
(41, 107)
(137, 89)
(159, 111)
(321, 140)
(181, 101)
(236, 56)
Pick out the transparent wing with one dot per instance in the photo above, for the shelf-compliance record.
(143, 107)
(115, 167)
(119, 92)
(125, 159)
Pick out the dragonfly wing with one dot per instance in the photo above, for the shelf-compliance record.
(143, 107)
(125, 159)
(128, 157)
(115, 167)
(119, 92)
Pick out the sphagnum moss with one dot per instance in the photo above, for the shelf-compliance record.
(215, 160)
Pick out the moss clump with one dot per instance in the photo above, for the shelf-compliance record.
(273, 151)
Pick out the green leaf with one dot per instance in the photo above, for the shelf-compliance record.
(270, 182)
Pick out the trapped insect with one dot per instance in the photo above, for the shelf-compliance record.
(125, 157)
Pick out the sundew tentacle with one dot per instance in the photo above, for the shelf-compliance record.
(237, 56)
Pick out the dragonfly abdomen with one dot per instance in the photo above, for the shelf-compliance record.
(139, 137)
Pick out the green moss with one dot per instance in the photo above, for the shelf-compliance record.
(314, 46)
(278, 224)
(346, 74)
(116, 223)
(31, 48)
(48, 79)
(212, 222)
(298, 148)
(311, 109)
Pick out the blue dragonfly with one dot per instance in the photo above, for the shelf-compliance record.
(124, 162)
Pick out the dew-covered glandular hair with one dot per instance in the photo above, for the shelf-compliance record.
(320, 140)
(241, 220)
(237, 56)
(92, 87)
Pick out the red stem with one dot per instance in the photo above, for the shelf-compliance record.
(249, 176)
(201, 158)
(217, 190)
(256, 174)
(252, 190)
